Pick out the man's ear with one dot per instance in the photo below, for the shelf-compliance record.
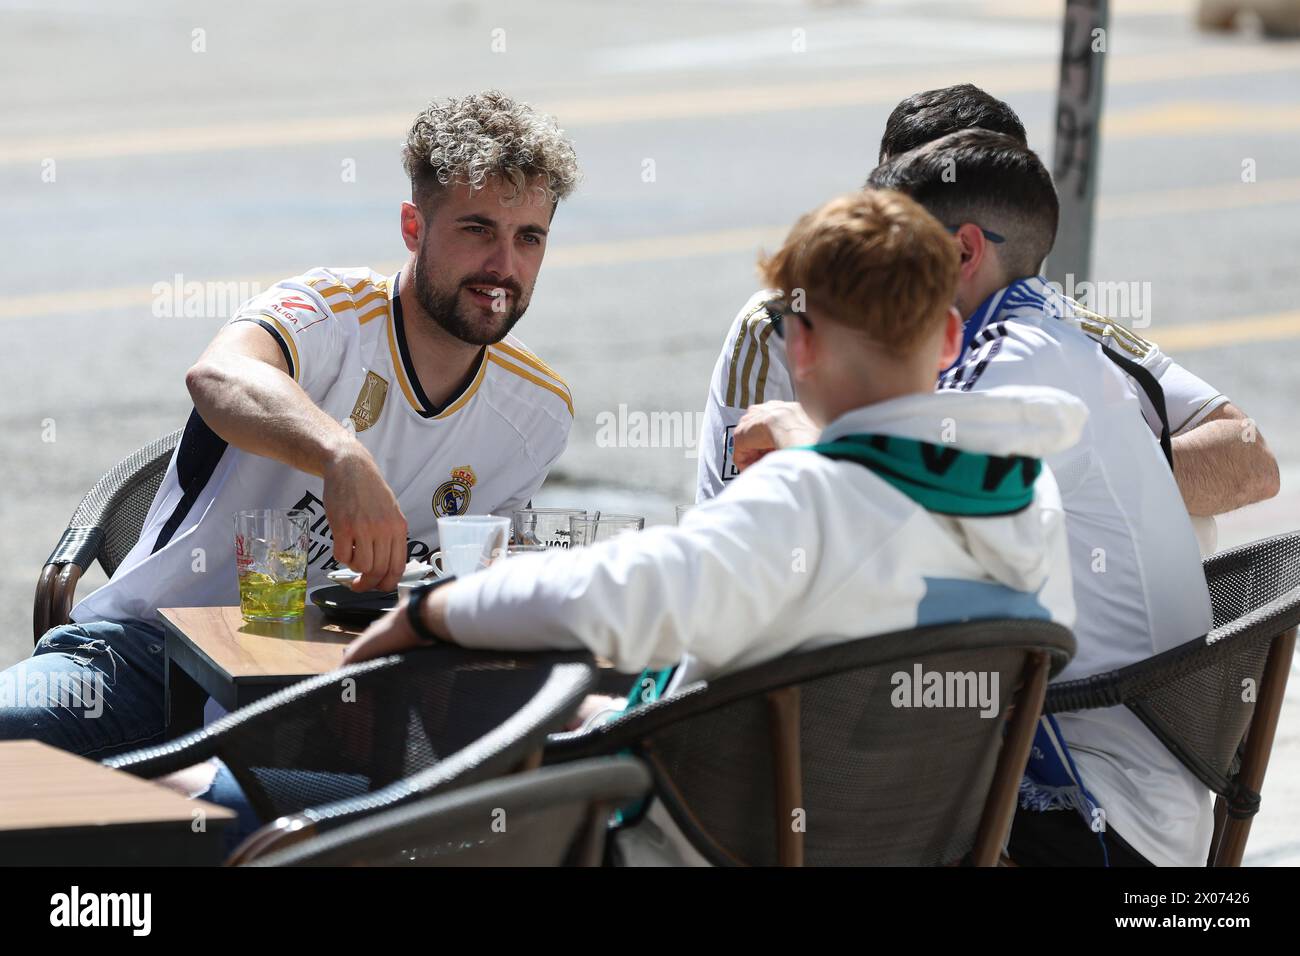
(973, 248)
(412, 226)
(952, 336)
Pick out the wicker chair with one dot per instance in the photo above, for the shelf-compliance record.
(105, 526)
(1215, 701)
(379, 734)
(816, 737)
(556, 816)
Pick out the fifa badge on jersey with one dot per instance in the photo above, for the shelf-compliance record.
(370, 401)
(452, 497)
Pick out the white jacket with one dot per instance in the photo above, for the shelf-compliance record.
(801, 551)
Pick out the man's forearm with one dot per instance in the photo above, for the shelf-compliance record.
(261, 410)
(1223, 464)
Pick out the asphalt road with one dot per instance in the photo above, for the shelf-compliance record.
(142, 142)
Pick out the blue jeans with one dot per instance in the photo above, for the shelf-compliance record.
(92, 689)
(225, 791)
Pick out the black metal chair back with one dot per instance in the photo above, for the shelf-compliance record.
(555, 816)
(105, 526)
(841, 756)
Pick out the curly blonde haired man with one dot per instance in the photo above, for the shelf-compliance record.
(376, 403)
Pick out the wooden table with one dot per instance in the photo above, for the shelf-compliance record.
(58, 809)
(213, 651)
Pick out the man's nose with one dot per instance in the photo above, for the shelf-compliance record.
(501, 260)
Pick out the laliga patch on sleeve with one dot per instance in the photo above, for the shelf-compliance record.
(728, 470)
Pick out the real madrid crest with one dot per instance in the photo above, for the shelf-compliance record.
(452, 497)
(370, 401)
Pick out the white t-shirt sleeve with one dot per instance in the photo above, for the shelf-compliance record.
(307, 331)
(709, 588)
(750, 369)
(1189, 399)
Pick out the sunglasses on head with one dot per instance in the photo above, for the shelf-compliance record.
(778, 309)
(988, 234)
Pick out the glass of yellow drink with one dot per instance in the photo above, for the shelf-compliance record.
(271, 561)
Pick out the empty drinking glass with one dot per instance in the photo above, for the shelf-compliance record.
(544, 526)
(601, 527)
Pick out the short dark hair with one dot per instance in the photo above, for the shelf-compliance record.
(987, 179)
(924, 117)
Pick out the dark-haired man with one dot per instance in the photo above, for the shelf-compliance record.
(924, 117)
(1216, 471)
(376, 403)
(751, 368)
(1137, 577)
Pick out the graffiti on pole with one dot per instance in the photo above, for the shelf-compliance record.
(1078, 119)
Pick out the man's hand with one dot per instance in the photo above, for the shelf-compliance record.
(242, 389)
(770, 426)
(591, 705)
(367, 522)
(392, 633)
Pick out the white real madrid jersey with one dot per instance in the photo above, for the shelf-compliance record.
(486, 452)
(752, 368)
(1137, 576)
(1138, 581)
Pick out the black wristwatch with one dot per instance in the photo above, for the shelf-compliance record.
(419, 594)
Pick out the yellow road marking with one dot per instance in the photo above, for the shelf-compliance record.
(1184, 337)
(1198, 336)
(862, 90)
(1195, 118)
(1175, 339)
(656, 248)
(1230, 195)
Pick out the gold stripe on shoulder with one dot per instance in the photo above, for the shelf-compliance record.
(529, 376)
(369, 297)
(1103, 328)
(379, 288)
(741, 334)
(759, 339)
(528, 358)
(376, 312)
(762, 365)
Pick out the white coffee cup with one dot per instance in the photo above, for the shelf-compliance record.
(469, 543)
